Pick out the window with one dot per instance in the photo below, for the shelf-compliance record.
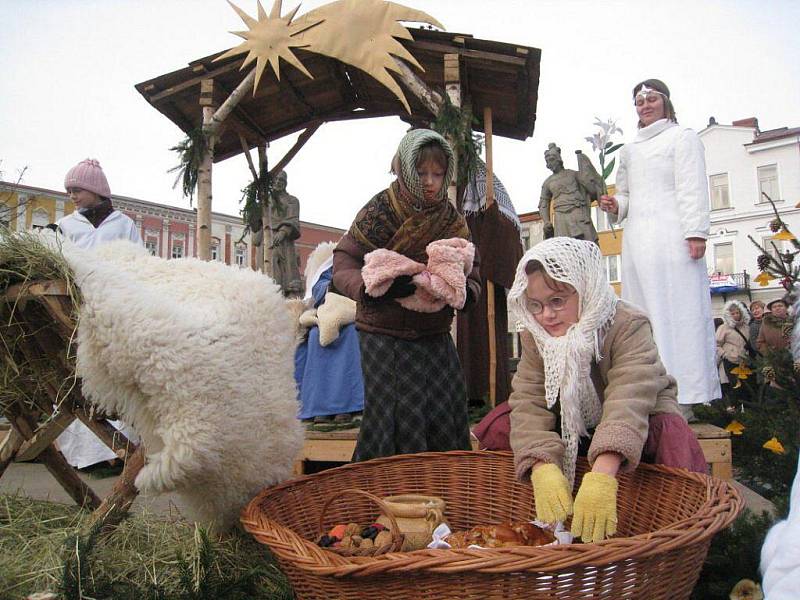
(215, 251)
(719, 191)
(151, 244)
(723, 258)
(5, 215)
(177, 249)
(240, 254)
(768, 183)
(526, 239)
(612, 268)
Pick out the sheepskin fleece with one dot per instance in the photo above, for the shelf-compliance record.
(197, 357)
(440, 283)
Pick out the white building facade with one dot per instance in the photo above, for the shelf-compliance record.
(741, 163)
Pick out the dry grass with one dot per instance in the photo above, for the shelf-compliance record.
(143, 551)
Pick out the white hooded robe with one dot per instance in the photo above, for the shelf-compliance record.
(661, 189)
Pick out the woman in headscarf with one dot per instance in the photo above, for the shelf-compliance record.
(414, 393)
(662, 191)
(733, 345)
(590, 380)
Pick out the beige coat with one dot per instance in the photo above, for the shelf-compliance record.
(630, 380)
(731, 346)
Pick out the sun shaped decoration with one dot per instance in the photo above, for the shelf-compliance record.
(361, 33)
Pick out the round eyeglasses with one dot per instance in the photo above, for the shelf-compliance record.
(556, 304)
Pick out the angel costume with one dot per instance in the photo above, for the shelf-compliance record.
(662, 191)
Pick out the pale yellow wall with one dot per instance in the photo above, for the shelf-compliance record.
(33, 202)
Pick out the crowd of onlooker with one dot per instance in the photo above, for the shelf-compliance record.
(743, 334)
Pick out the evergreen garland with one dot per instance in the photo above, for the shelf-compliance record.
(455, 125)
(190, 153)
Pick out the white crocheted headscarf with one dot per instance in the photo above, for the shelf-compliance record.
(568, 358)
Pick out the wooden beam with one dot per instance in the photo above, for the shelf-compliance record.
(430, 99)
(107, 433)
(467, 53)
(301, 141)
(171, 91)
(116, 505)
(490, 307)
(45, 436)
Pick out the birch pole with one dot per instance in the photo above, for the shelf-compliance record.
(452, 86)
(266, 209)
(204, 174)
(490, 309)
(212, 121)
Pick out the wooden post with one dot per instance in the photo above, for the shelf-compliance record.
(204, 173)
(266, 212)
(452, 86)
(115, 506)
(430, 98)
(490, 309)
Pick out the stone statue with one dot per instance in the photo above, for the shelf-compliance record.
(285, 226)
(567, 195)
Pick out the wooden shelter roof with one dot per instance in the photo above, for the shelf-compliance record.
(503, 76)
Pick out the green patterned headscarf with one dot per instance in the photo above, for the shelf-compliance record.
(408, 153)
(398, 218)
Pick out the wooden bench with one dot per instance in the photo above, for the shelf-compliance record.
(332, 446)
(338, 446)
(716, 445)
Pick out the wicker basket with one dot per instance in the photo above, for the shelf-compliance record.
(667, 518)
(397, 538)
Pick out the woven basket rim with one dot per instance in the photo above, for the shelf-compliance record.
(722, 506)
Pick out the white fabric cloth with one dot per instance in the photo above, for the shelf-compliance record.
(780, 554)
(568, 358)
(80, 447)
(662, 191)
(116, 226)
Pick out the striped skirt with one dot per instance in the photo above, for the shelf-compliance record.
(415, 399)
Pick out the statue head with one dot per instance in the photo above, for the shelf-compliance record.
(552, 158)
(280, 181)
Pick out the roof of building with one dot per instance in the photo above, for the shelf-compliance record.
(500, 75)
(775, 134)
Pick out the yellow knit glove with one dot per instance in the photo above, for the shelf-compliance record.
(596, 508)
(552, 493)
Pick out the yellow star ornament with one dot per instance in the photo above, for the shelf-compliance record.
(774, 446)
(785, 235)
(763, 279)
(742, 371)
(735, 428)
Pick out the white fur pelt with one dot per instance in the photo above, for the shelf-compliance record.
(198, 358)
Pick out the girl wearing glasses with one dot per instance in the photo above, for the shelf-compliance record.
(590, 382)
(661, 190)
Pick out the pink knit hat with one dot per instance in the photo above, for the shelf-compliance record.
(88, 175)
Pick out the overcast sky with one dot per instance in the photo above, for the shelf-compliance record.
(68, 68)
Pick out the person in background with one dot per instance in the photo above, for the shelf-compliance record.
(662, 191)
(756, 314)
(94, 222)
(775, 327)
(590, 380)
(733, 345)
(415, 399)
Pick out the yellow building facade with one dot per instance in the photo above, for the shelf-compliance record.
(22, 210)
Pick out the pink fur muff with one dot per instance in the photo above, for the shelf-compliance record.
(442, 282)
